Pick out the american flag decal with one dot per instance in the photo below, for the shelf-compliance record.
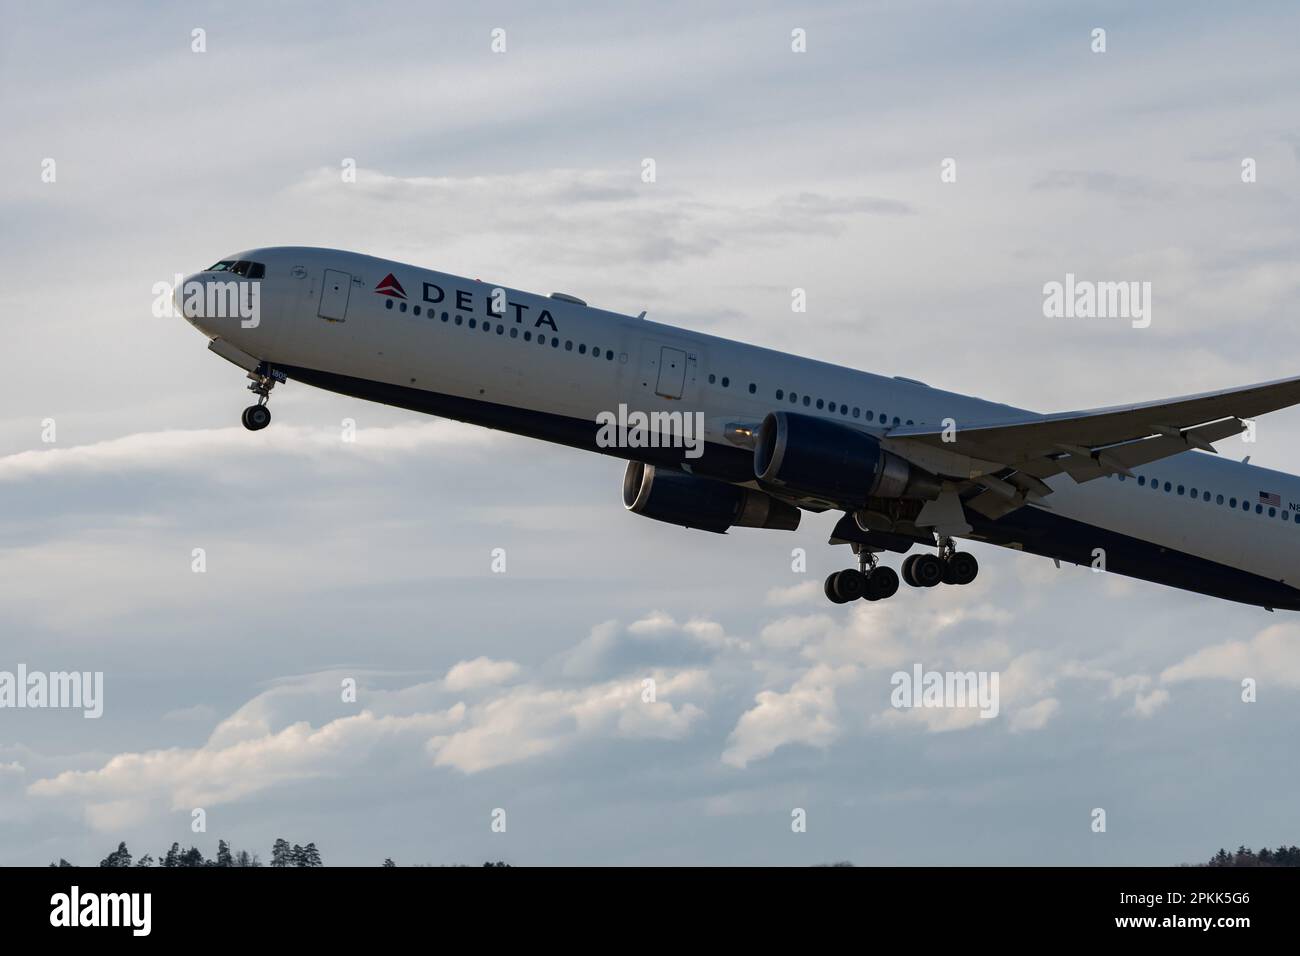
(1268, 498)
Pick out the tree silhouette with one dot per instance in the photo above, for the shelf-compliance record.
(192, 857)
(388, 861)
(173, 856)
(281, 854)
(1245, 856)
(223, 854)
(119, 857)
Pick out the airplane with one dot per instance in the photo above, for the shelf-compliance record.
(1133, 489)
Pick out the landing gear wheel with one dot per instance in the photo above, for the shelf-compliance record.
(949, 574)
(829, 588)
(882, 583)
(962, 568)
(256, 417)
(850, 584)
(909, 562)
(263, 379)
(927, 570)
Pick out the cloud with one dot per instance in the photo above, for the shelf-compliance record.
(528, 722)
(806, 714)
(656, 622)
(480, 672)
(1148, 704)
(131, 786)
(1035, 716)
(193, 449)
(1109, 184)
(606, 215)
(255, 750)
(806, 592)
(1272, 655)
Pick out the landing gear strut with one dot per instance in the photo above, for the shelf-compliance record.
(949, 566)
(869, 581)
(256, 417)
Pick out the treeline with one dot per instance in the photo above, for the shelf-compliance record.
(282, 854)
(1245, 856)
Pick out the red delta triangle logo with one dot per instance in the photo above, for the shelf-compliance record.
(389, 285)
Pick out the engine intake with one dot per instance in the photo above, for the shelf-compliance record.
(682, 499)
(815, 458)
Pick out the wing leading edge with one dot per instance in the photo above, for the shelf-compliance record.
(1011, 459)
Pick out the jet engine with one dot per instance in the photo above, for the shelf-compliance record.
(682, 499)
(810, 457)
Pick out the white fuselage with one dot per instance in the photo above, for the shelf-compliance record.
(321, 310)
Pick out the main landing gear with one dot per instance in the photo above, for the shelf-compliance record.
(869, 581)
(873, 582)
(949, 566)
(256, 417)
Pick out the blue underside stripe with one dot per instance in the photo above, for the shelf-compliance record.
(1030, 529)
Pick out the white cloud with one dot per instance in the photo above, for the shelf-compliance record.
(254, 750)
(806, 592)
(806, 714)
(1272, 655)
(193, 449)
(1035, 716)
(480, 672)
(131, 786)
(1147, 704)
(526, 722)
(657, 622)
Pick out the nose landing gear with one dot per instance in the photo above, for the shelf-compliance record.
(256, 417)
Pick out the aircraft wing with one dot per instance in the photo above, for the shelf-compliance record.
(1011, 458)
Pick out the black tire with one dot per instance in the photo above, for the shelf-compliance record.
(256, 417)
(963, 567)
(927, 570)
(850, 584)
(829, 588)
(882, 584)
(905, 572)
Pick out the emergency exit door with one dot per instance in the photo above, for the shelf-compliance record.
(334, 296)
(672, 372)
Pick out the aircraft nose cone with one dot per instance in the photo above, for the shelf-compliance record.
(178, 295)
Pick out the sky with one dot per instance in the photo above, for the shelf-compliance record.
(517, 697)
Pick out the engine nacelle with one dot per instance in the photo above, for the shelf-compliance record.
(682, 499)
(815, 458)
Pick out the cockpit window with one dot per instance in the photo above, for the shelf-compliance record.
(242, 267)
